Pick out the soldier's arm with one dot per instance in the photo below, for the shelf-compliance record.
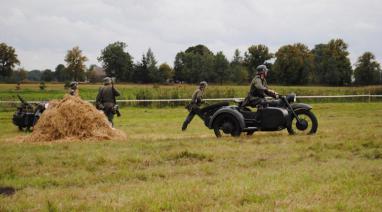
(199, 96)
(116, 92)
(99, 98)
(271, 93)
(251, 88)
(194, 98)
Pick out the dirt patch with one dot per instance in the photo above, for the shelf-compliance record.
(73, 119)
(7, 191)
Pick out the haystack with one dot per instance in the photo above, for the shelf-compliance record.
(73, 119)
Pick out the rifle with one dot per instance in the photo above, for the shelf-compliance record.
(116, 107)
(23, 101)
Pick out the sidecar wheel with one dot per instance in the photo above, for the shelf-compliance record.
(309, 123)
(249, 133)
(226, 124)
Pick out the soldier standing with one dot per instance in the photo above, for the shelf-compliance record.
(259, 90)
(73, 88)
(195, 103)
(106, 99)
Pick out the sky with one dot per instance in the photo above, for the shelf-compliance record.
(42, 31)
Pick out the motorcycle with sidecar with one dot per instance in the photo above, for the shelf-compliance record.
(27, 114)
(233, 120)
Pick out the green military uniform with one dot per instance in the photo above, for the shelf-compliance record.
(196, 98)
(258, 91)
(106, 101)
(193, 107)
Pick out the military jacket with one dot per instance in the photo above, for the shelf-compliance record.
(197, 97)
(258, 87)
(106, 96)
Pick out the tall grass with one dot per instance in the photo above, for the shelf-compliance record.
(132, 91)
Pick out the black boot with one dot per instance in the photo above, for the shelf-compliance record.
(184, 126)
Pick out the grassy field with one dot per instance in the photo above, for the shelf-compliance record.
(135, 91)
(160, 168)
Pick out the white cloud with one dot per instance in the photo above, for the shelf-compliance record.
(43, 30)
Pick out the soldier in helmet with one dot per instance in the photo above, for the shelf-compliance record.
(195, 103)
(106, 99)
(73, 88)
(259, 90)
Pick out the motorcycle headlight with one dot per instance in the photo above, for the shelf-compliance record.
(291, 98)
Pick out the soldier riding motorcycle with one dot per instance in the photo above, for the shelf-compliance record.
(259, 90)
(281, 112)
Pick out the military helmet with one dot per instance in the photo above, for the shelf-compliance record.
(261, 68)
(203, 83)
(106, 80)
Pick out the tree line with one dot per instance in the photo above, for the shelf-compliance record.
(294, 64)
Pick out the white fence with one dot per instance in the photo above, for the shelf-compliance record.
(217, 99)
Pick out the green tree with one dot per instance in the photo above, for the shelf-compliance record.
(221, 67)
(166, 72)
(116, 61)
(47, 75)
(256, 55)
(19, 75)
(34, 75)
(141, 71)
(8, 60)
(293, 64)
(195, 64)
(199, 50)
(239, 74)
(238, 70)
(332, 65)
(76, 63)
(368, 70)
(180, 70)
(62, 74)
(152, 69)
(237, 58)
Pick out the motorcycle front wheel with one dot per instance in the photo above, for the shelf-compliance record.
(308, 123)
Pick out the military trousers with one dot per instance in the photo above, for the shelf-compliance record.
(110, 117)
(193, 111)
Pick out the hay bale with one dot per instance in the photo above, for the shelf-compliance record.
(73, 119)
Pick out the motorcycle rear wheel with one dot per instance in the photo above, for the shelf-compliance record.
(226, 124)
(308, 118)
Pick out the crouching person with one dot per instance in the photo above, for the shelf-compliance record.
(106, 99)
(195, 103)
(73, 90)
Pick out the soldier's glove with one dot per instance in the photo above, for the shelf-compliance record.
(116, 110)
(274, 93)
